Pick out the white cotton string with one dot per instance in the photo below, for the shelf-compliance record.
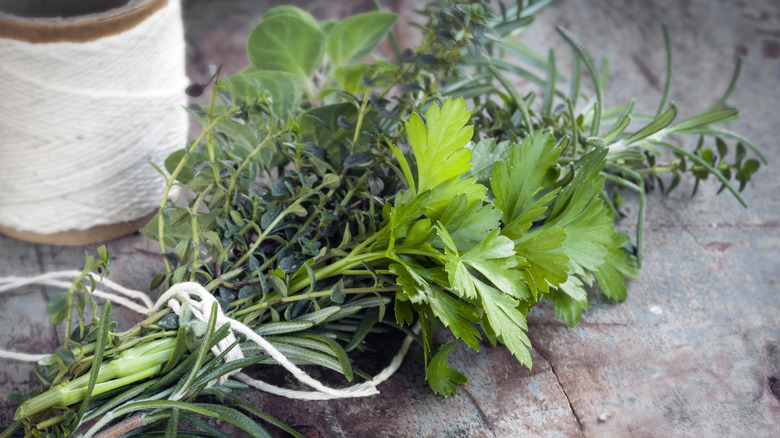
(200, 302)
(80, 123)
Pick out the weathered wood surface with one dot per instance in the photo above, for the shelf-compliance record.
(695, 349)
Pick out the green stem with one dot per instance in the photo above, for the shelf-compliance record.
(170, 181)
(307, 82)
(247, 162)
(639, 187)
(135, 364)
(360, 115)
(317, 294)
(337, 267)
(515, 97)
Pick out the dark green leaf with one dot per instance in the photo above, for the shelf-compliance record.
(66, 355)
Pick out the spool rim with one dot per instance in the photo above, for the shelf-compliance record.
(96, 234)
(79, 29)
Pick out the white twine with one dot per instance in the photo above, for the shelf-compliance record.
(80, 122)
(200, 302)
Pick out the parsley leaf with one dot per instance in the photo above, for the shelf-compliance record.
(467, 224)
(506, 321)
(440, 375)
(522, 186)
(617, 265)
(441, 156)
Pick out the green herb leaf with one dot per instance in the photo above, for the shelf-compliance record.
(356, 36)
(443, 379)
(286, 42)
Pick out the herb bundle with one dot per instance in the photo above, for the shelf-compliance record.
(329, 198)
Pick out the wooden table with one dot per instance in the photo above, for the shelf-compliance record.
(695, 349)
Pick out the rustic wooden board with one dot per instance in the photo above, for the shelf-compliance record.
(694, 350)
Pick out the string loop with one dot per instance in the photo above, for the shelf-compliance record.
(200, 302)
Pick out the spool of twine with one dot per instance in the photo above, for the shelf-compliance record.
(90, 94)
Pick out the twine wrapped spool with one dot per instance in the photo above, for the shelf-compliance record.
(90, 94)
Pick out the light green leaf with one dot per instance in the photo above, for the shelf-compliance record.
(283, 88)
(494, 258)
(542, 264)
(570, 300)
(439, 146)
(286, 42)
(443, 379)
(584, 217)
(455, 314)
(618, 265)
(522, 185)
(355, 37)
(467, 224)
(350, 77)
(483, 155)
(291, 11)
(403, 216)
(442, 195)
(506, 321)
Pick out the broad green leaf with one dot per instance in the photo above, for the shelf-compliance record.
(57, 306)
(588, 236)
(467, 224)
(411, 282)
(457, 315)
(439, 146)
(185, 174)
(404, 315)
(618, 265)
(419, 232)
(328, 25)
(350, 77)
(355, 37)
(483, 155)
(404, 216)
(570, 300)
(584, 217)
(443, 379)
(441, 155)
(291, 11)
(443, 194)
(542, 264)
(506, 321)
(522, 185)
(65, 355)
(494, 258)
(283, 88)
(286, 42)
